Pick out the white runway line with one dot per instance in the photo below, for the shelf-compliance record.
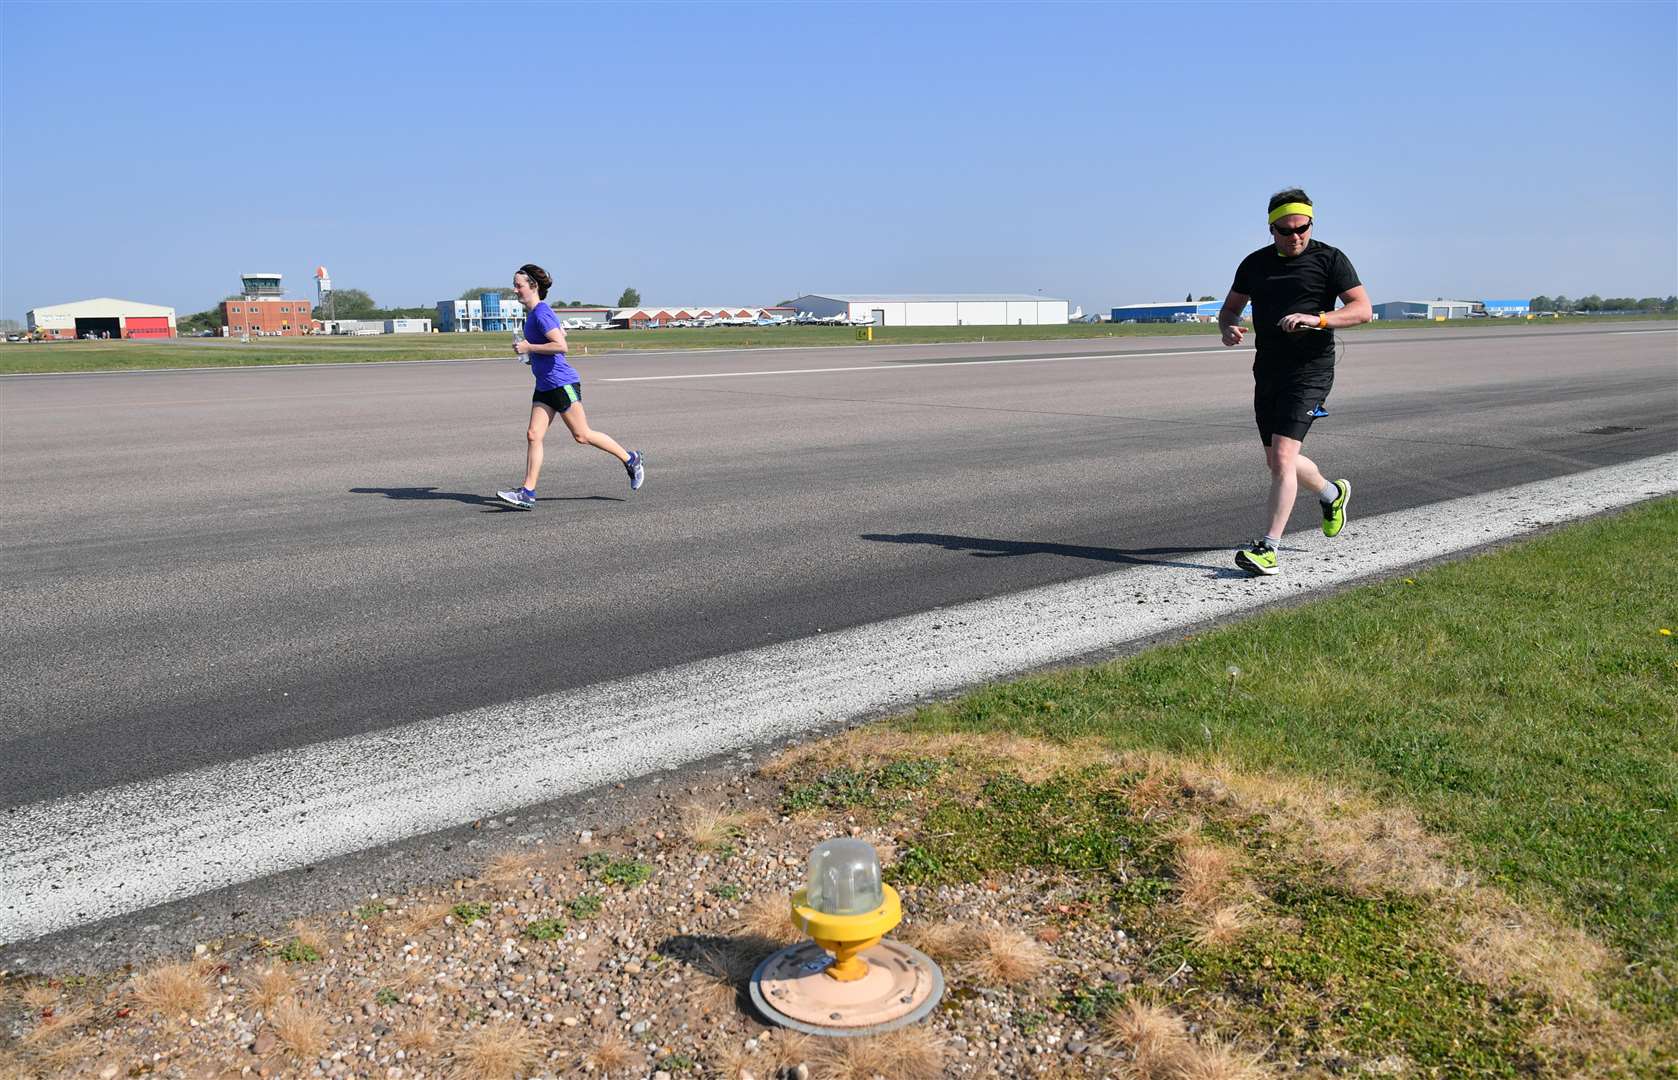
(910, 364)
(74, 860)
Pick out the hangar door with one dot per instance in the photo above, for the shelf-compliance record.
(99, 327)
(148, 326)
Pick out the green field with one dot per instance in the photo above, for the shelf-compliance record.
(66, 356)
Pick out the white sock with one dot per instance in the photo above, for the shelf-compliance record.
(1274, 541)
(1330, 492)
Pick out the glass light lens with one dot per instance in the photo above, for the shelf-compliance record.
(845, 878)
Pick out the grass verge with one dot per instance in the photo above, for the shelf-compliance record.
(1523, 702)
(74, 356)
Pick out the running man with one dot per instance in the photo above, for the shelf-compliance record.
(1293, 284)
(559, 389)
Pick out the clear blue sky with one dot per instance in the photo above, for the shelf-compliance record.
(747, 153)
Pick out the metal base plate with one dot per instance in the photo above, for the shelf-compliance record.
(791, 989)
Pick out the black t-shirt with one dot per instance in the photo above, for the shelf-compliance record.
(1309, 282)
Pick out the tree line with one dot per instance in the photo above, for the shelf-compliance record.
(1653, 305)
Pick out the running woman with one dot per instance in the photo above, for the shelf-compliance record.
(1292, 284)
(559, 389)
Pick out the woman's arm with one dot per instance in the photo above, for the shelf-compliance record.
(554, 344)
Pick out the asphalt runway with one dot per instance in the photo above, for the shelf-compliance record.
(200, 566)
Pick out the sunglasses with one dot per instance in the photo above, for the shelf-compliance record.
(1281, 231)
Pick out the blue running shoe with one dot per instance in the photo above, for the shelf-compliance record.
(637, 474)
(520, 498)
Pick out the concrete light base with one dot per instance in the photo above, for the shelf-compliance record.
(791, 989)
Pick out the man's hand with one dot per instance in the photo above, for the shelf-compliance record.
(1234, 334)
(1298, 321)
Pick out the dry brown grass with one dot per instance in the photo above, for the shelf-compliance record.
(52, 1028)
(1033, 760)
(422, 916)
(1208, 781)
(39, 996)
(1184, 830)
(269, 985)
(611, 1054)
(1152, 1035)
(1150, 793)
(309, 936)
(413, 976)
(732, 1062)
(990, 956)
(911, 1053)
(1205, 875)
(301, 1030)
(420, 1035)
(722, 971)
(1222, 926)
(62, 1058)
(499, 1051)
(709, 827)
(512, 869)
(1215, 1060)
(1501, 945)
(785, 1049)
(949, 942)
(770, 917)
(172, 989)
(1369, 846)
(1007, 958)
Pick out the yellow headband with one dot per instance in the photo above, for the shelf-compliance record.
(1292, 208)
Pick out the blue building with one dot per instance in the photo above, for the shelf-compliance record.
(1510, 309)
(1175, 311)
(493, 312)
(1208, 310)
(1181, 311)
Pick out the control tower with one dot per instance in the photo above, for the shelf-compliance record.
(261, 286)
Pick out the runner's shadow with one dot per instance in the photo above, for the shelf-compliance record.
(726, 963)
(981, 548)
(489, 502)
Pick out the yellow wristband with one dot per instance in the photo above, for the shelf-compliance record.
(1322, 321)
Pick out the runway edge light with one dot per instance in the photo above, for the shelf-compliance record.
(849, 979)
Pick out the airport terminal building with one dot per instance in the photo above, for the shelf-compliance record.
(937, 309)
(103, 317)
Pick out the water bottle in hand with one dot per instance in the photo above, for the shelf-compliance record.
(518, 336)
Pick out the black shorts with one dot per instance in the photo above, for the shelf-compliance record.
(1285, 399)
(559, 398)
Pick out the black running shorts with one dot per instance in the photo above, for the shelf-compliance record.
(559, 398)
(1285, 398)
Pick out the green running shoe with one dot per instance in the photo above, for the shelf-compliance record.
(1334, 513)
(1258, 560)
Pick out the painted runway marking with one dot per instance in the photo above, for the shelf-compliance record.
(912, 364)
(74, 860)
